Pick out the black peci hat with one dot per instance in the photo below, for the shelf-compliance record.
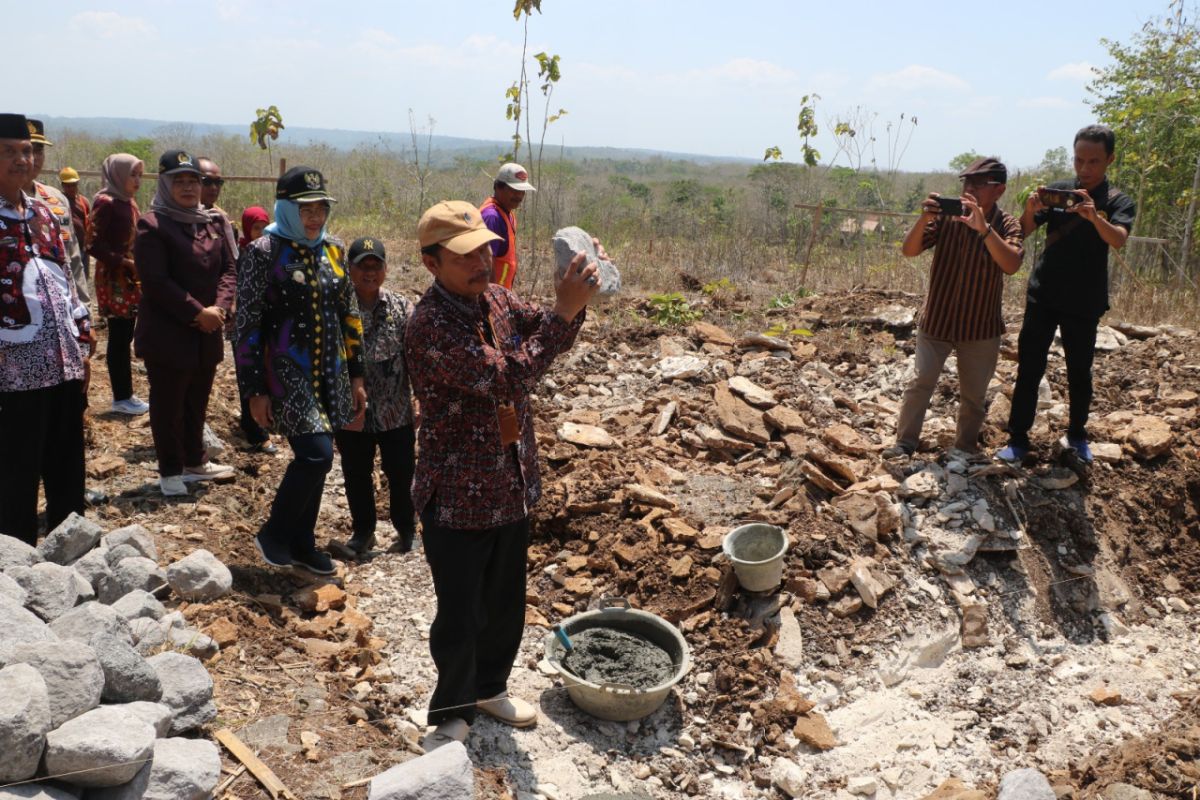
(367, 246)
(302, 185)
(174, 161)
(14, 126)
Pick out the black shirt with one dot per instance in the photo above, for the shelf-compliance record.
(1072, 273)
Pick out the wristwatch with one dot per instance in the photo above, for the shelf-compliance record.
(986, 233)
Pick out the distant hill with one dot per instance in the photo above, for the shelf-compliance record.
(444, 148)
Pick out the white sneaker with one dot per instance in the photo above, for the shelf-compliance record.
(132, 405)
(173, 486)
(207, 471)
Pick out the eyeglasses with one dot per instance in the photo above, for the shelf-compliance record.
(980, 182)
(208, 180)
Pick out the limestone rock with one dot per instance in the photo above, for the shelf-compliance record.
(24, 721)
(680, 368)
(863, 785)
(1150, 437)
(924, 483)
(1105, 696)
(585, 435)
(85, 621)
(869, 588)
(812, 730)
(752, 393)
(73, 537)
(443, 774)
(72, 674)
(49, 587)
(148, 634)
(93, 566)
(200, 576)
(104, 747)
(192, 642)
(785, 420)
(1025, 784)
(136, 537)
(12, 590)
(15, 553)
(789, 778)
(1106, 452)
(182, 769)
(156, 715)
(648, 496)
(139, 603)
(738, 417)
(20, 625)
(790, 647)
(127, 676)
(137, 572)
(571, 240)
(663, 420)
(713, 334)
(847, 440)
(187, 689)
(1124, 791)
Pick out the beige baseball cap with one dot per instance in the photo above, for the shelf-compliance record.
(456, 225)
(515, 177)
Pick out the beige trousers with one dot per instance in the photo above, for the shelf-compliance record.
(976, 365)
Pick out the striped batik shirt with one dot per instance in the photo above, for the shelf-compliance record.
(965, 283)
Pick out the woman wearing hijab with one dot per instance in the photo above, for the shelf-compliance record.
(298, 353)
(254, 222)
(114, 225)
(188, 273)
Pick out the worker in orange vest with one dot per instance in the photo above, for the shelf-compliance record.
(508, 190)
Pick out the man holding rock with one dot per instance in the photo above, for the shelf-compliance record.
(972, 254)
(1068, 288)
(475, 352)
(508, 190)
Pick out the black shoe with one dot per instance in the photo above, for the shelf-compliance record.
(94, 497)
(357, 547)
(314, 561)
(272, 553)
(403, 543)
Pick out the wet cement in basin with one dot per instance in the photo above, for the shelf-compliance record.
(606, 655)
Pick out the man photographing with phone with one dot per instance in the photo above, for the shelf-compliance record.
(975, 246)
(1068, 288)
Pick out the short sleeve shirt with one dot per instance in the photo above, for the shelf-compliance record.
(1072, 273)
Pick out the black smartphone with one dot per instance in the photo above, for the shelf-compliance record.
(950, 205)
(1059, 198)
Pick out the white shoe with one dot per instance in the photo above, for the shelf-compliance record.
(173, 486)
(132, 405)
(207, 471)
(452, 730)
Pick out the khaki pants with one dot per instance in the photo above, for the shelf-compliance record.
(976, 364)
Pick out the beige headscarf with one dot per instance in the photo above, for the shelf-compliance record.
(116, 170)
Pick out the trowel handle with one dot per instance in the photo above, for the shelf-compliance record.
(563, 638)
(618, 688)
(614, 602)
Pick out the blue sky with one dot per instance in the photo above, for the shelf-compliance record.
(720, 78)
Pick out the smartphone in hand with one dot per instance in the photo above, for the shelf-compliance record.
(951, 206)
(1059, 198)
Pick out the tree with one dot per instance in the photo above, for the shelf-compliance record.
(265, 129)
(1150, 96)
(963, 160)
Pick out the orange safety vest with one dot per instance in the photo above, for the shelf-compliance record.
(504, 268)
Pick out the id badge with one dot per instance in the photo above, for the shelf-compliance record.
(509, 430)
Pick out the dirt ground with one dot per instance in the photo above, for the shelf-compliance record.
(327, 679)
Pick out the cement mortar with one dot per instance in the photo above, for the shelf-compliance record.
(605, 655)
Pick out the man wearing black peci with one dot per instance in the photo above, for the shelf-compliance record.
(1068, 288)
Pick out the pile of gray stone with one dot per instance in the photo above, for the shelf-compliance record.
(99, 684)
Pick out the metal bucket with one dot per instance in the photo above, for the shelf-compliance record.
(756, 551)
(614, 701)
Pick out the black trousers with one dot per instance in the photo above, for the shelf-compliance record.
(42, 430)
(479, 580)
(254, 433)
(293, 518)
(1079, 346)
(118, 358)
(178, 406)
(357, 449)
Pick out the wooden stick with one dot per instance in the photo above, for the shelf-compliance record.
(257, 768)
(225, 784)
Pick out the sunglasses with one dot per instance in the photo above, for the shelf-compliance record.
(211, 181)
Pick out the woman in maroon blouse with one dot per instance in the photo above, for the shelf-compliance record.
(185, 257)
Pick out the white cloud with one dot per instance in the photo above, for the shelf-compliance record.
(746, 70)
(1043, 102)
(916, 77)
(1077, 71)
(110, 25)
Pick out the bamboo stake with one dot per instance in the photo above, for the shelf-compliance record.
(254, 764)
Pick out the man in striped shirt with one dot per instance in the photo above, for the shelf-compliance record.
(972, 254)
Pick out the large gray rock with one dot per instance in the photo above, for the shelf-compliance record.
(127, 676)
(444, 774)
(15, 553)
(73, 537)
(156, 715)
(187, 689)
(83, 587)
(1025, 784)
(94, 566)
(572, 240)
(137, 572)
(72, 674)
(193, 642)
(24, 721)
(50, 587)
(36, 791)
(104, 747)
(119, 552)
(12, 590)
(18, 624)
(1124, 791)
(83, 622)
(183, 769)
(149, 635)
(200, 576)
(136, 537)
(139, 603)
